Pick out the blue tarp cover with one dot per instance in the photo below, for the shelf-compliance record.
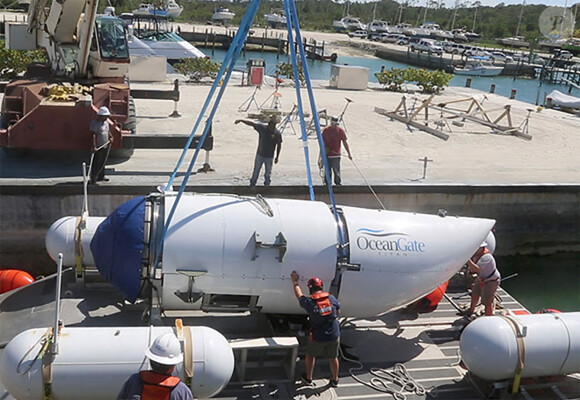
(117, 247)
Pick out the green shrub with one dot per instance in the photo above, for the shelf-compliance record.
(285, 69)
(429, 81)
(198, 68)
(14, 62)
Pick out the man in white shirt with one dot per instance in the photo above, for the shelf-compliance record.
(488, 277)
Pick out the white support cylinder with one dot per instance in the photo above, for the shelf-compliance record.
(93, 363)
(551, 346)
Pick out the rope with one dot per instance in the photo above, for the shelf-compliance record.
(367, 183)
(394, 382)
(45, 341)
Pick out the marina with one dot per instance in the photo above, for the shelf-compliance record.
(212, 262)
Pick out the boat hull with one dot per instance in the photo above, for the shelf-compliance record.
(477, 71)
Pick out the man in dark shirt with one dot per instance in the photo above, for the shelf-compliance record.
(323, 310)
(270, 140)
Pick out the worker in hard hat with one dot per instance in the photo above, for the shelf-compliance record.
(488, 278)
(101, 145)
(323, 310)
(158, 383)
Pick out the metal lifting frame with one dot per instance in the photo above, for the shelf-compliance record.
(226, 69)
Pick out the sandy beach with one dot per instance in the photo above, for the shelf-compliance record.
(384, 150)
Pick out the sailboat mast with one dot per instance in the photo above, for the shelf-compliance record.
(520, 19)
(564, 20)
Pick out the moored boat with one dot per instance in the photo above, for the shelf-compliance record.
(478, 68)
(348, 24)
(275, 19)
(378, 26)
(223, 15)
(155, 37)
(515, 41)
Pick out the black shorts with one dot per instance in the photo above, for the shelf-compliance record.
(327, 349)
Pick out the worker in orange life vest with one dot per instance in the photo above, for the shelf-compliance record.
(488, 277)
(158, 383)
(323, 310)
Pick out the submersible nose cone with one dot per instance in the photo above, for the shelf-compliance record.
(69, 233)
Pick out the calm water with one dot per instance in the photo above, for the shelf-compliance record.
(543, 282)
(528, 90)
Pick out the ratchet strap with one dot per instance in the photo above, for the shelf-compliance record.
(79, 247)
(188, 356)
(521, 353)
(46, 369)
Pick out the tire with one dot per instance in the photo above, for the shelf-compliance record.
(129, 125)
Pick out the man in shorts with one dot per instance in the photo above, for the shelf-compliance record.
(488, 277)
(323, 310)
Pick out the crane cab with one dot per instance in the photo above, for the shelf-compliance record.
(109, 51)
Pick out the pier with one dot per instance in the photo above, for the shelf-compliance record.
(568, 75)
(269, 40)
(435, 61)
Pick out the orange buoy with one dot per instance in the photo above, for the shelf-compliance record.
(429, 302)
(13, 278)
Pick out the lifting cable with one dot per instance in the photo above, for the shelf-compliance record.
(292, 20)
(231, 58)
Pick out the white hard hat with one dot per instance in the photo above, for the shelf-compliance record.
(165, 350)
(103, 111)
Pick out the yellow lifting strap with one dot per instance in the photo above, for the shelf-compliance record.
(47, 358)
(78, 248)
(188, 356)
(521, 353)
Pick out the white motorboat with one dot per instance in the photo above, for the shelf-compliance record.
(478, 68)
(275, 19)
(223, 15)
(516, 41)
(378, 26)
(149, 9)
(155, 33)
(459, 36)
(348, 24)
(170, 9)
(400, 28)
(173, 9)
(435, 31)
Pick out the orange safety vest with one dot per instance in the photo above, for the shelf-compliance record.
(323, 303)
(157, 386)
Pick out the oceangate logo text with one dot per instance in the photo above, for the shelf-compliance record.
(392, 242)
